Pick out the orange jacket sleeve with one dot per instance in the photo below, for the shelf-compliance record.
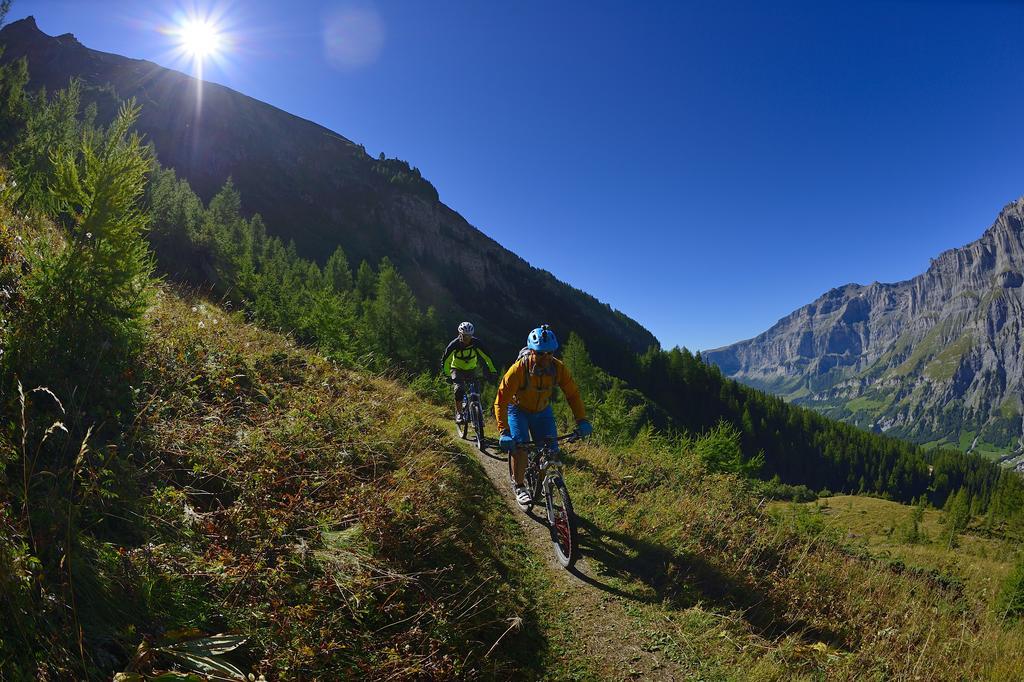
(571, 391)
(507, 388)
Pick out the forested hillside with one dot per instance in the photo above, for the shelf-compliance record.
(314, 187)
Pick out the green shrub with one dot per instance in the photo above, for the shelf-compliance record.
(777, 490)
(720, 449)
(433, 387)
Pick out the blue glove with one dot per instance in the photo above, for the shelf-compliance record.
(584, 428)
(506, 442)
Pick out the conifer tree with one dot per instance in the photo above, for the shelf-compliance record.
(366, 282)
(337, 272)
(391, 320)
(958, 513)
(51, 132)
(85, 299)
(615, 420)
(229, 240)
(176, 217)
(586, 375)
(14, 110)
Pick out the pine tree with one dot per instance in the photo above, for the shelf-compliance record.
(228, 239)
(337, 272)
(958, 514)
(616, 421)
(584, 372)
(51, 132)
(14, 110)
(366, 282)
(176, 216)
(85, 299)
(391, 320)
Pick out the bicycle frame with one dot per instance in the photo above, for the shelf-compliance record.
(545, 462)
(472, 411)
(471, 391)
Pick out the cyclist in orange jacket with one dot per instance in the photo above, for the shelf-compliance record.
(523, 406)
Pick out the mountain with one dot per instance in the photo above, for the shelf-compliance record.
(936, 358)
(322, 190)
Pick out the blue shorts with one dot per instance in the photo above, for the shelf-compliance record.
(526, 426)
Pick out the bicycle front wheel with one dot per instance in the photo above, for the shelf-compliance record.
(562, 523)
(478, 425)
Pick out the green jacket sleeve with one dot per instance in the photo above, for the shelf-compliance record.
(481, 352)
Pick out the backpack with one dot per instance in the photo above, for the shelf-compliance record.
(525, 353)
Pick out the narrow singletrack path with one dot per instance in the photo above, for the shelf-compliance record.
(599, 616)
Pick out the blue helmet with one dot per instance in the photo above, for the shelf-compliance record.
(542, 340)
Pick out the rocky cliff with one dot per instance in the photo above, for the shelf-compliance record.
(322, 190)
(937, 358)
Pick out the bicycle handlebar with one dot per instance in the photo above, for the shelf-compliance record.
(570, 437)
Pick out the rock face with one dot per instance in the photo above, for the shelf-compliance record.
(937, 358)
(322, 190)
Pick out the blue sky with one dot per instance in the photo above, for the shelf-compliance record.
(705, 167)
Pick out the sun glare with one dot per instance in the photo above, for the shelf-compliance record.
(200, 38)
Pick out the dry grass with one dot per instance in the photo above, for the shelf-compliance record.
(793, 596)
(317, 511)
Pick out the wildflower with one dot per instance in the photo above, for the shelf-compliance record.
(88, 235)
(195, 309)
(201, 325)
(216, 321)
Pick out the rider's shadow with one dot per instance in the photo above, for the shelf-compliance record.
(652, 574)
(491, 450)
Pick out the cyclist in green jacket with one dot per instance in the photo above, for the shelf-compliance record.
(460, 362)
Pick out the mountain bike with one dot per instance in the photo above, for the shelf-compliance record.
(544, 481)
(472, 413)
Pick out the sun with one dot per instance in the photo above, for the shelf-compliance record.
(200, 38)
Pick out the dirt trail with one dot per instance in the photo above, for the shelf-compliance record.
(599, 616)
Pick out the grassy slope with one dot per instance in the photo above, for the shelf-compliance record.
(314, 510)
(316, 533)
(972, 571)
(732, 592)
(333, 497)
(326, 515)
(980, 560)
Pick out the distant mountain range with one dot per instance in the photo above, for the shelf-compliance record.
(935, 359)
(318, 188)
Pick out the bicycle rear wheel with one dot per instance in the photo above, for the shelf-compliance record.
(478, 424)
(562, 523)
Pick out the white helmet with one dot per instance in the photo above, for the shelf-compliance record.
(467, 328)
